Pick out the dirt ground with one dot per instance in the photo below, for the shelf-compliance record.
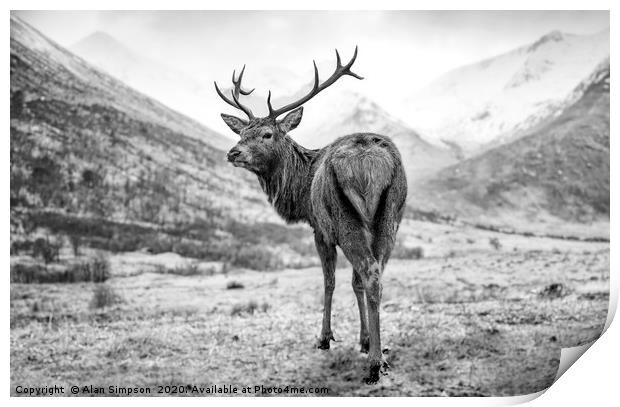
(476, 321)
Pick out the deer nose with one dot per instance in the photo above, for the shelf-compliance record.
(233, 153)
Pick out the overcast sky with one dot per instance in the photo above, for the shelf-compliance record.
(420, 45)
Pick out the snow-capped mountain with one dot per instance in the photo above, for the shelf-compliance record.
(499, 97)
(338, 112)
(555, 175)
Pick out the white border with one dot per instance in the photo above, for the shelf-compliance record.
(592, 380)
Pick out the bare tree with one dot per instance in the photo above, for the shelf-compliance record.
(352, 193)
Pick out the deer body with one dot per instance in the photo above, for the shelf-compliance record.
(351, 192)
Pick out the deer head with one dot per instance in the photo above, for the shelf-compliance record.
(263, 140)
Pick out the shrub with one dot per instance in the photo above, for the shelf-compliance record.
(186, 270)
(412, 253)
(76, 241)
(405, 252)
(495, 243)
(191, 269)
(20, 246)
(45, 249)
(18, 104)
(28, 273)
(402, 251)
(104, 296)
(96, 270)
(256, 258)
(100, 267)
(249, 308)
(234, 285)
(46, 179)
(90, 178)
(552, 291)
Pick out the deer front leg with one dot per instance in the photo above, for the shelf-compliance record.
(327, 253)
(358, 289)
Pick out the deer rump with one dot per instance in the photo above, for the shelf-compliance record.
(353, 175)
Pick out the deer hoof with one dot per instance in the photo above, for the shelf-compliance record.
(324, 341)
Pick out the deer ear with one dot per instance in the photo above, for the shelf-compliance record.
(235, 123)
(292, 120)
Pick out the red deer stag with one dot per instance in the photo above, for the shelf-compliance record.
(351, 192)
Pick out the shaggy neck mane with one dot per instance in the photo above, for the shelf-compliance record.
(288, 184)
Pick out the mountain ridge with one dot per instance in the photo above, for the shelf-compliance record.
(181, 92)
(557, 173)
(495, 98)
(346, 112)
(95, 161)
(142, 104)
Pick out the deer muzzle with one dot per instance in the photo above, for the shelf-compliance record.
(233, 154)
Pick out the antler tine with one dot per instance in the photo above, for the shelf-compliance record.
(271, 111)
(219, 92)
(237, 83)
(245, 109)
(235, 94)
(347, 67)
(317, 86)
(352, 58)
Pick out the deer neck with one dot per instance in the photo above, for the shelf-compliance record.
(287, 185)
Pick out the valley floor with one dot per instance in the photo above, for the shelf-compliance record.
(486, 322)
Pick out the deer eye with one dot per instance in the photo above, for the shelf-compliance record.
(267, 135)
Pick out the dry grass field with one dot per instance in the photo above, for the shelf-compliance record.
(476, 316)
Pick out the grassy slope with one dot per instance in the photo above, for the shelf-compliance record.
(92, 157)
(65, 76)
(469, 323)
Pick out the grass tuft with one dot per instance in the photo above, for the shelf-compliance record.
(249, 308)
(104, 296)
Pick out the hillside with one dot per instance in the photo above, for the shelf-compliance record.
(93, 160)
(168, 85)
(492, 100)
(556, 174)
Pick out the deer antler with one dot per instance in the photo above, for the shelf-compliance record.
(341, 70)
(235, 94)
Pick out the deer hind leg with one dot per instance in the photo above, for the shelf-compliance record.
(374, 289)
(356, 245)
(360, 294)
(328, 254)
